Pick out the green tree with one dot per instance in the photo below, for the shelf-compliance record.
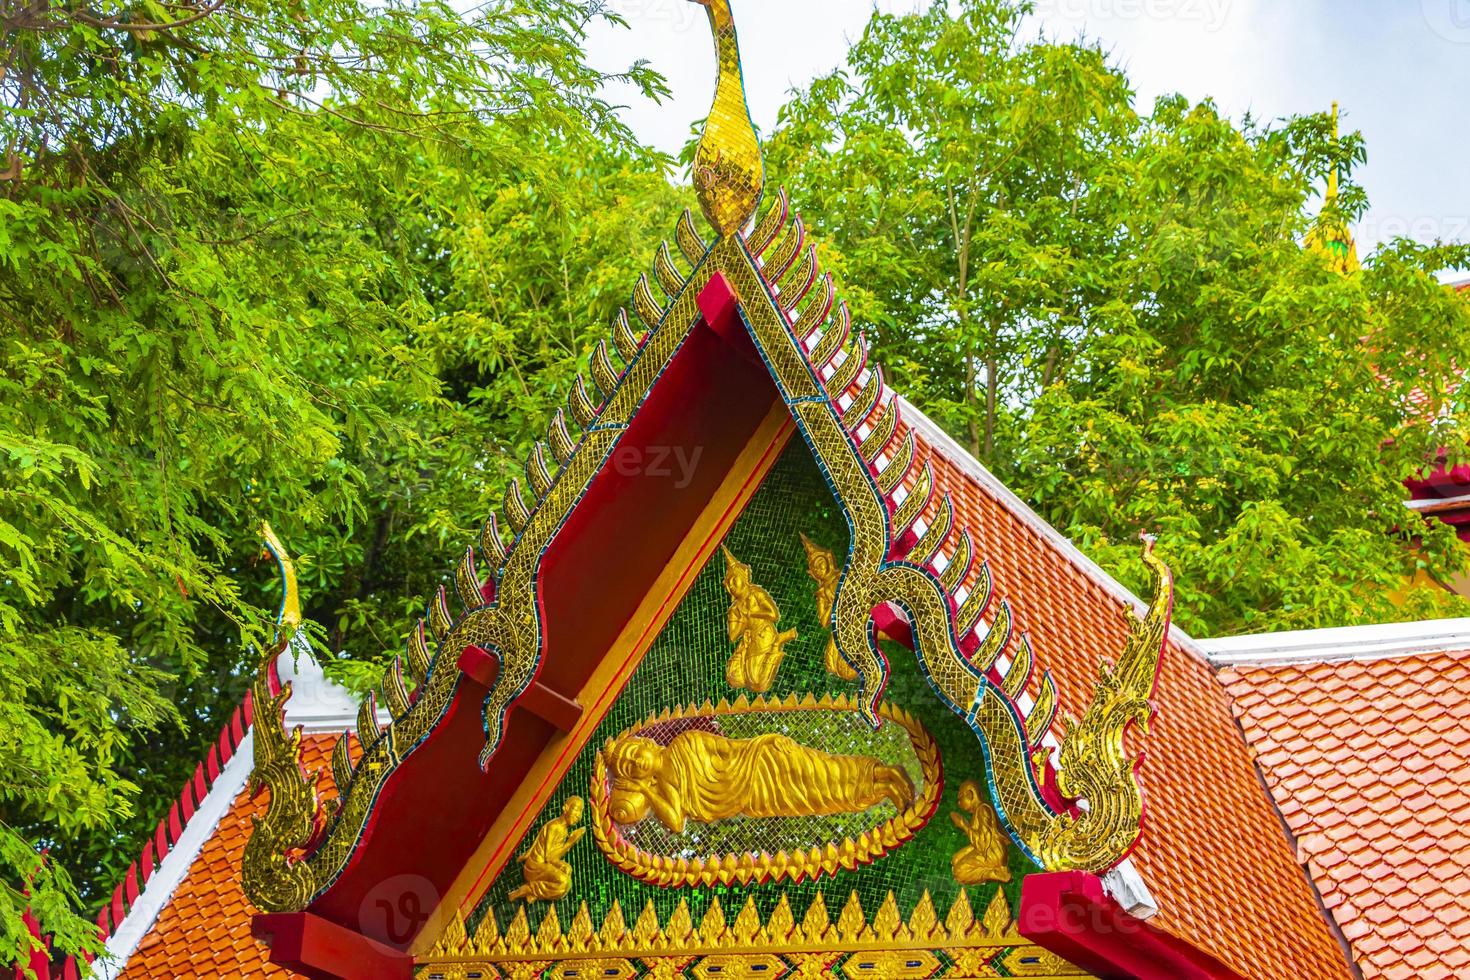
(225, 287)
(1116, 313)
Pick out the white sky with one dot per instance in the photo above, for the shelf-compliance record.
(1400, 68)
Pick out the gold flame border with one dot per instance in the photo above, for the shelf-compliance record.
(974, 946)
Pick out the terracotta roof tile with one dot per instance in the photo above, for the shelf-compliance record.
(1213, 850)
(1404, 851)
(204, 931)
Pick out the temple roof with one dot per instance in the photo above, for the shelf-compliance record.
(1213, 854)
(1363, 735)
(204, 931)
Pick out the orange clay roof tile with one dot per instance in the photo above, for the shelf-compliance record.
(1394, 873)
(204, 930)
(1213, 850)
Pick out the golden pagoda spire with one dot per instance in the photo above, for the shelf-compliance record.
(1330, 236)
(727, 163)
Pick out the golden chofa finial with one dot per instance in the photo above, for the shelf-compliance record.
(290, 614)
(727, 163)
(1330, 236)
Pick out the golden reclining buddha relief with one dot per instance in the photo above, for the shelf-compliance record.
(744, 789)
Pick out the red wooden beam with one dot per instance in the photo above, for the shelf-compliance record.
(719, 305)
(550, 705)
(322, 950)
(1070, 914)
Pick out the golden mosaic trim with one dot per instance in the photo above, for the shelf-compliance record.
(291, 858)
(886, 567)
(281, 871)
(810, 947)
(729, 869)
(296, 814)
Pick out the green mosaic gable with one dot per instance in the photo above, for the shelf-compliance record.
(685, 665)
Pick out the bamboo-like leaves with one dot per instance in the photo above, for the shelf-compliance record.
(974, 605)
(582, 406)
(864, 401)
(604, 375)
(882, 431)
(517, 514)
(1042, 713)
(928, 545)
(1019, 672)
(785, 251)
(467, 581)
(769, 226)
(849, 369)
(913, 505)
(623, 338)
(959, 563)
(559, 438)
(645, 305)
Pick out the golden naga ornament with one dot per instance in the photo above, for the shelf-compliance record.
(876, 465)
(548, 876)
(1094, 764)
(728, 175)
(701, 777)
(983, 858)
(822, 566)
(752, 620)
(273, 873)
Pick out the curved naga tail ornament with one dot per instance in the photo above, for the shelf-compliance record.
(1095, 764)
(274, 876)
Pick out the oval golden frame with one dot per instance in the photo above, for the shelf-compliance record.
(796, 865)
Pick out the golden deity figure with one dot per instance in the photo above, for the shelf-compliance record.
(753, 617)
(728, 175)
(822, 566)
(548, 876)
(706, 777)
(984, 858)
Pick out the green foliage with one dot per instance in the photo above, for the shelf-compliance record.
(1116, 313)
(332, 264)
(324, 263)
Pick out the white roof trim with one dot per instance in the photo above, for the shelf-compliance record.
(1126, 887)
(1339, 643)
(1434, 505)
(973, 468)
(318, 706)
(175, 866)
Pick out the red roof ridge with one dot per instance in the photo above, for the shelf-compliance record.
(318, 705)
(1340, 643)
